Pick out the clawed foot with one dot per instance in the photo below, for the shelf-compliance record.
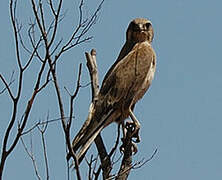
(132, 131)
(135, 126)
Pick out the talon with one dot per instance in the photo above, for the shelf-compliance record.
(131, 126)
(136, 135)
(135, 132)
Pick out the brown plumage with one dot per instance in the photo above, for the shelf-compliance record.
(124, 84)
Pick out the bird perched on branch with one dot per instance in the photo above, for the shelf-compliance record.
(124, 84)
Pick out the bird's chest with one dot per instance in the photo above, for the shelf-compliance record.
(149, 76)
(145, 69)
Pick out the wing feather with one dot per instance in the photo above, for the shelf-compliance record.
(128, 75)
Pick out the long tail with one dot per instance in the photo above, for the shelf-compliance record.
(87, 134)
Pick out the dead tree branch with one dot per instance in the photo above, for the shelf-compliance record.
(32, 157)
(128, 149)
(7, 85)
(92, 67)
(42, 131)
(68, 125)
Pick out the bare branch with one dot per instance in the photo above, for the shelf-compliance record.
(66, 131)
(31, 155)
(52, 8)
(42, 123)
(43, 33)
(56, 16)
(42, 131)
(142, 162)
(74, 96)
(7, 87)
(32, 55)
(82, 28)
(56, 47)
(104, 158)
(31, 35)
(23, 44)
(77, 42)
(90, 163)
(128, 148)
(12, 15)
(42, 15)
(9, 84)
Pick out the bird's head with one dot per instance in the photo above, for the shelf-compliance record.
(140, 30)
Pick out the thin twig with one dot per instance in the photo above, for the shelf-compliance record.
(82, 28)
(42, 131)
(10, 82)
(7, 87)
(141, 163)
(42, 123)
(31, 155)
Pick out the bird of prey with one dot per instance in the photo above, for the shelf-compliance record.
(124, 84)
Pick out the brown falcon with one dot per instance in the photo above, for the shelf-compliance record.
(124, 84)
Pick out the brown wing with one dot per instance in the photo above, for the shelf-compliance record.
(128, 46)
(127, 77)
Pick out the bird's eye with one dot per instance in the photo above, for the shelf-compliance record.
(135, 27)
(133, 24)
(148, 25)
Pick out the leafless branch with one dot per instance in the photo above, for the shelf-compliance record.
(22, 124)
(136, 165)
(68, 126)
(31, 35)
(6, 87)
(31, 155)
(42, 16)
(92, 67)
(42, 131)
(72, 97)
(90, 167)
(78, 35)
(42, 123)
(9, 84)
(128, 146)
(56, 17)
(32, 55)
(143, 162)
(51, 7)
(15, 29)
(23, 44)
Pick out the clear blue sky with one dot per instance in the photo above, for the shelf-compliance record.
(181, 113)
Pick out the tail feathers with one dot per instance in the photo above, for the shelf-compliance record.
(86, 146)
(87, 134)
(78, 138)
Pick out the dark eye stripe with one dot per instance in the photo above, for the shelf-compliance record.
(133, 24)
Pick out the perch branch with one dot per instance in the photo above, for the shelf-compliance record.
(92, 67)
